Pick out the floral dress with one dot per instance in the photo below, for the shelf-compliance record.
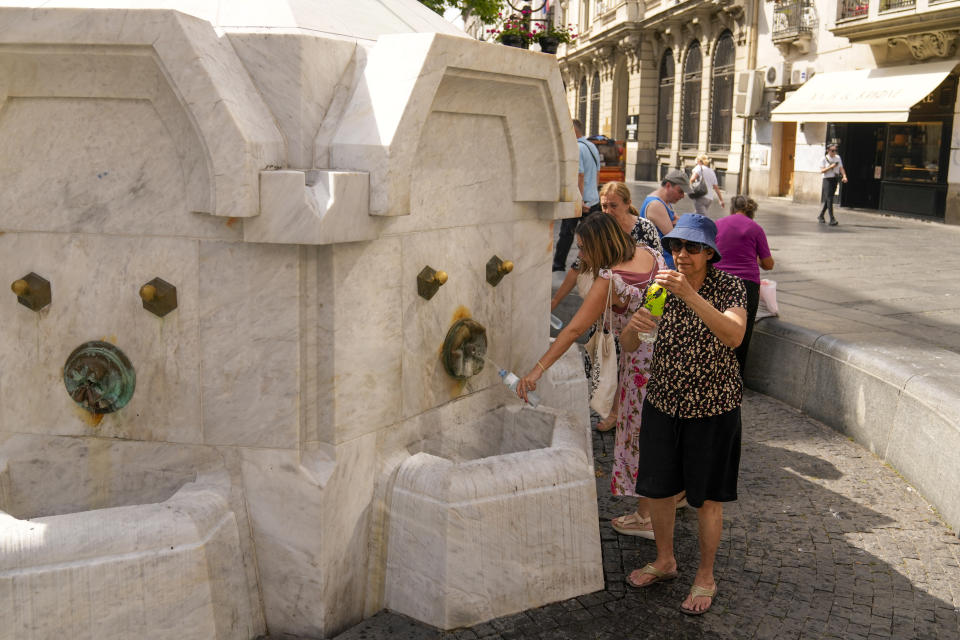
(634, 373)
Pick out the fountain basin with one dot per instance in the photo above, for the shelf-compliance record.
(165, 569)
(492, 516)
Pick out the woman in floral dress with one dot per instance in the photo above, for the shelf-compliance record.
(634, 374)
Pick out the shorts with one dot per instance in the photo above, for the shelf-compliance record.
(698, 455)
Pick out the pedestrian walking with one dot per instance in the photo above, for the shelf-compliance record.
(743, 245)
(703, 172)
(690, 439)
(658, 206)
(831, 166)
(589, 166)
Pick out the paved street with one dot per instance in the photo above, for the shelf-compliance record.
(824, 542)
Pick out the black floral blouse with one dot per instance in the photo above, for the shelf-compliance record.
(644, 232)
(695, 375)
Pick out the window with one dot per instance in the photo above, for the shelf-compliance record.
(721, 100)
(584, 15)
(582, 100)
(595, 105)
(690, 113)
(665, 101)
(913, 152)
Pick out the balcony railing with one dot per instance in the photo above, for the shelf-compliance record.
(890, 5)
(792, 18)
(853, 9)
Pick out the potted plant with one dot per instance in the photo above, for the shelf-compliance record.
(553, 36)
(513, 32)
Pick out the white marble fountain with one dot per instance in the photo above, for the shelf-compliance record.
(277, 446)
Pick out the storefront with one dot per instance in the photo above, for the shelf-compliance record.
(893, 129)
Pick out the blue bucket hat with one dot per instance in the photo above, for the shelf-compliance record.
(695, 227)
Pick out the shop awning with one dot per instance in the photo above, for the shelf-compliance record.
(866, 95)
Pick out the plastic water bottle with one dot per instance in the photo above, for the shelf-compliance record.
(556, 322)
(656, 298)
(511, 380)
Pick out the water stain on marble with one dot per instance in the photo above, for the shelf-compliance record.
(100, 469)
(90, 419)
(455, 387)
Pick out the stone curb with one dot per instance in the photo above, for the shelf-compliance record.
(894, 395)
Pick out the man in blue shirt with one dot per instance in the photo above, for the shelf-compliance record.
(587, 182)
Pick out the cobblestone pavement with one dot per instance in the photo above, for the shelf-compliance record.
(825, 542)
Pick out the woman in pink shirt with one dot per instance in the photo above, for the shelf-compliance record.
(743, 246)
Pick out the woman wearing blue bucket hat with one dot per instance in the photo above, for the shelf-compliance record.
(690, 438)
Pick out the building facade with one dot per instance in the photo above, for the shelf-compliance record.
(762, 86)
(877, 78)
(661, 76)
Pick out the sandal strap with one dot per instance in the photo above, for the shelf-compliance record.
(697, 591)
(652, 570)
(629, 519)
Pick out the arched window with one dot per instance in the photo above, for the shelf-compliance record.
(690, 114)
(582, 101)
(721, 99)
(665, 101)
(595, 105)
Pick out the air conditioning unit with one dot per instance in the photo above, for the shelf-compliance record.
(799, 75)
(747, 93)
(777, 75)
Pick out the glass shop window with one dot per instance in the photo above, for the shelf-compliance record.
(913, 152)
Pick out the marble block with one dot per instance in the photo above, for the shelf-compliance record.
(332, 208)
(290, 166)
(407, 77)
(162, 570)
(494, 515)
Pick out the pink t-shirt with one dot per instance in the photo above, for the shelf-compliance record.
(741, 241)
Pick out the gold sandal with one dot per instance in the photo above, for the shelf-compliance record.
(658, 576)
(700, 592)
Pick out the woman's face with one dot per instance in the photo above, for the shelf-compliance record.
(584, 252)
(690, 264)
(613, 205)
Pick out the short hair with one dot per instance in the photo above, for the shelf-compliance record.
(578, 126)
(744, 204)
(603, 243)
(703, 159)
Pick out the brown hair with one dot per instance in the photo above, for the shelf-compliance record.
(603, 243)
(745, 205)
(622, 190)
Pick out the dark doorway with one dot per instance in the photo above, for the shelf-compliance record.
(861, 147)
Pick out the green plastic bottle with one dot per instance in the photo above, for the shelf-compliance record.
(654, 301)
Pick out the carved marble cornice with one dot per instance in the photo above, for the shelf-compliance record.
(604, 60)
(629, 45)
(932, 44)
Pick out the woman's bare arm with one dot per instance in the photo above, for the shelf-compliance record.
(569, 282)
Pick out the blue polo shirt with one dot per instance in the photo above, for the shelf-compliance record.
(589, 166)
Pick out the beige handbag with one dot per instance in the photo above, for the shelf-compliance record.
(605, 369)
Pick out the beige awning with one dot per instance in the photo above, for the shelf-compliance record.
(866, 95)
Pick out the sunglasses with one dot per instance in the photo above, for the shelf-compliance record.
(693, 248)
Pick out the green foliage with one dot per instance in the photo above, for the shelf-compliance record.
(485, 10)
